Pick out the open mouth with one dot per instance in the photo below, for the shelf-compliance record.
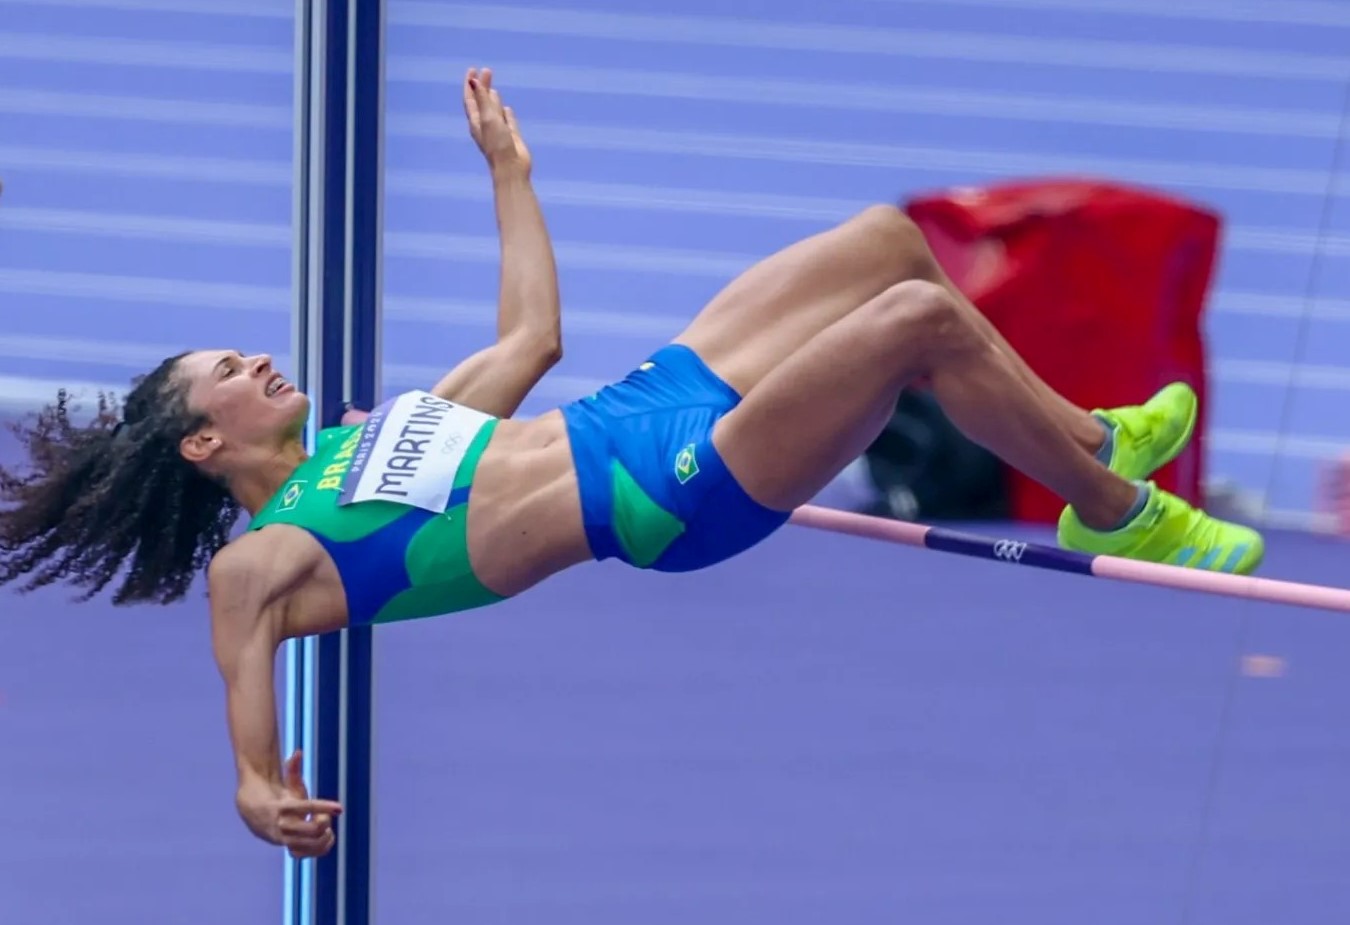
(278, 385)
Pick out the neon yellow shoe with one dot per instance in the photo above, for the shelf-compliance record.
(1170, 531)
(1149, 436)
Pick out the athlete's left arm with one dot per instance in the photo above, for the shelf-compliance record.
(243, 582)
(529, 326)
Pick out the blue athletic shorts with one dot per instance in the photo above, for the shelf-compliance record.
(654, 491)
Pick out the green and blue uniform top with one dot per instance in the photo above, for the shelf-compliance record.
(388, 501)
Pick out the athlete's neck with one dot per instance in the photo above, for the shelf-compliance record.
(255, 485)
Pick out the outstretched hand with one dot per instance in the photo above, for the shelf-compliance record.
(493, 126)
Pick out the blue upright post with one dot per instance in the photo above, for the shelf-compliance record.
(339, 110)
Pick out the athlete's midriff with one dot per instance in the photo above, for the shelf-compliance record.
(525, 510)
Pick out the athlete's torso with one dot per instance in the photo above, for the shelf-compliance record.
(425, 509)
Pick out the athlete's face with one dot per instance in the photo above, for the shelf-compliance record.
(247, 403)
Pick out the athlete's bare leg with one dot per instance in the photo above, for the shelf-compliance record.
(821, 407)
(769, 312)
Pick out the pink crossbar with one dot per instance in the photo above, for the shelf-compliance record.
(1037, 556)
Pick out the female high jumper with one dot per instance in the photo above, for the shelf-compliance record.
(440, 502)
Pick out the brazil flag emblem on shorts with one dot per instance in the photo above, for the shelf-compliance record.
(686, 466)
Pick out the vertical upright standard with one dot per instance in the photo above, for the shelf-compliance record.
(339, 95)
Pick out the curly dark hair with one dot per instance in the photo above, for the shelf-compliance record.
(111, 493)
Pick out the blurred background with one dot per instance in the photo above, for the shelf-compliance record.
(824, 729)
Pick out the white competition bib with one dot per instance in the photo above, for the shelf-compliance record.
(410, 450)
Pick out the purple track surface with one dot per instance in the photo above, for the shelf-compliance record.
(824, 730)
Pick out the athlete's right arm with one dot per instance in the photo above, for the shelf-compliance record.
(246, 633)
(497, 379)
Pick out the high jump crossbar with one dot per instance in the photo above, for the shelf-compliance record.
(1035, 555)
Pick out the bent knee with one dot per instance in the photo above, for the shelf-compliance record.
(890, 224)
(897, 240)
(926, 314)
(921, 302)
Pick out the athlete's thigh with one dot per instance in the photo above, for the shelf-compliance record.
(819, 410)
(780, 303)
